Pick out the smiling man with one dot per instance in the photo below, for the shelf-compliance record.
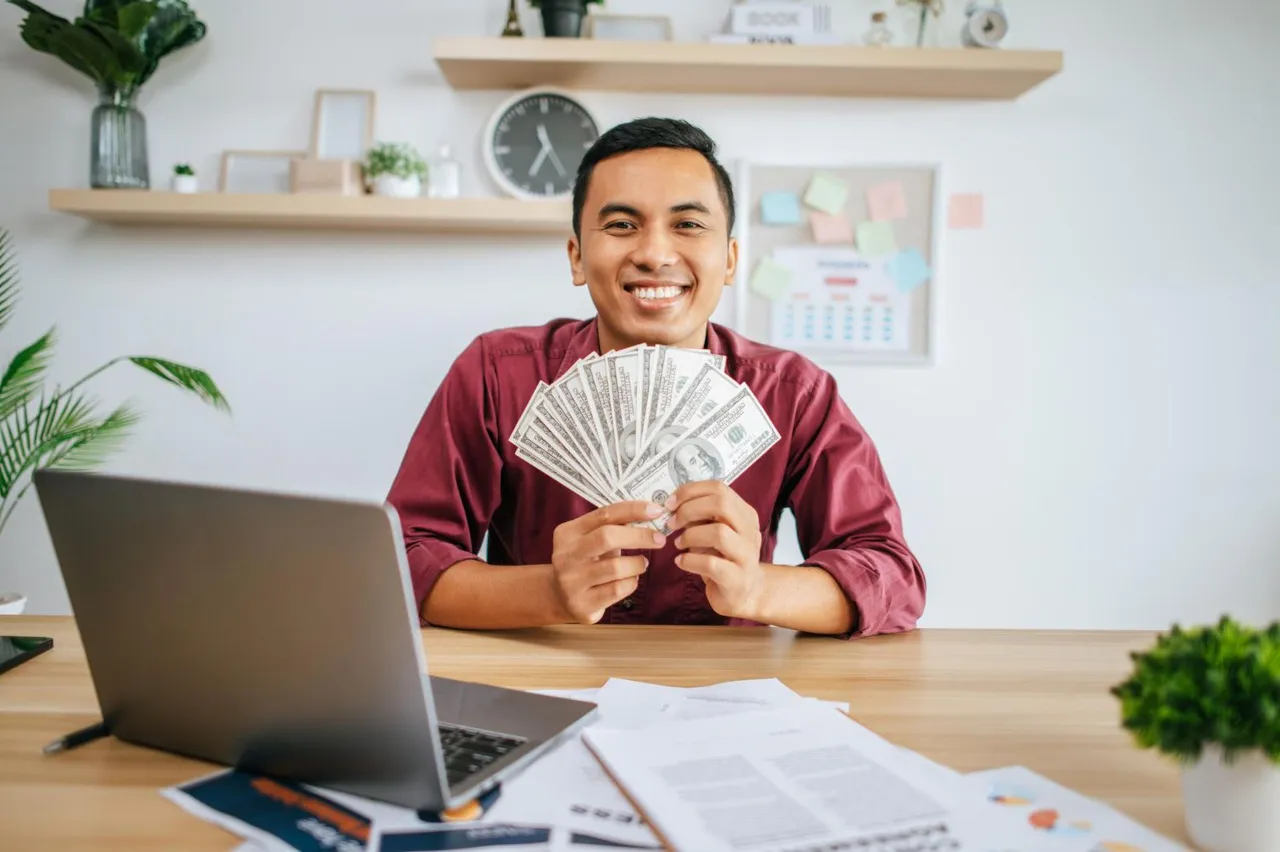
(653, 217)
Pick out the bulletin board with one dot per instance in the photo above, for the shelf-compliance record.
(839, 262)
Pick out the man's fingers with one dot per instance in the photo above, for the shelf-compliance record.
(600, 598)
(605, 539)
(720, 538)
(713, 568)
(619, 514)
(618, 568)
(715, 504)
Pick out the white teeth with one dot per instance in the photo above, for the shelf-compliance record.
(648, 293)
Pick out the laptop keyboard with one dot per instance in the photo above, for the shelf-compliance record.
(468, 751)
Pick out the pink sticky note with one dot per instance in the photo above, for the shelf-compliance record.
(887, 201)
(965, 211)
(831, 229)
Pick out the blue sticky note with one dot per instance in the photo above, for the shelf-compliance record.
(780, 208)
(909, 269)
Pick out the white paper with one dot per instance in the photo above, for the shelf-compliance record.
(785, 779)
(839, 300)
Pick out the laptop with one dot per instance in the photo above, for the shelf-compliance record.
(278, 634)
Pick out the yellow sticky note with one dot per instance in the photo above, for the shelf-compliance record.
(831, 229)
(876, 239)
(826, 193)
(770, 279)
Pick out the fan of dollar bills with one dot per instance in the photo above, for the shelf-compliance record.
(638, 423)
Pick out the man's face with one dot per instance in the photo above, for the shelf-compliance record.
(654, 250)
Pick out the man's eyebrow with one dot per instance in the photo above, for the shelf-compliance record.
(686, 206)
(616, 207)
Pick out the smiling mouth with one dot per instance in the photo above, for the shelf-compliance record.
(656, 295)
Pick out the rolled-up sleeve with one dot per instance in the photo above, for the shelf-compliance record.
(847, 519)
(449, 482)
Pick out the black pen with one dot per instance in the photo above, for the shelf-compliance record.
(77, 738)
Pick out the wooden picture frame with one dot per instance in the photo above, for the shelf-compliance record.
(342, 123)
(611, 27)
(264, 172)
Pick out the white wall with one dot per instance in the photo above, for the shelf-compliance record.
(1095, 449)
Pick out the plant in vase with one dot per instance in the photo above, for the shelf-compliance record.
(918, 12)
(395, 169)
(1209, 698)
(562, 18)
(184, 179)
(59, 427)
(118, 44)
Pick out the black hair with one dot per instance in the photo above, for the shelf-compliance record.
(642, 133)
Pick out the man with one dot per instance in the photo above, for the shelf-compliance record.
(653, 216)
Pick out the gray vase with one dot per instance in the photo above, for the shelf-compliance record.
(563, 18)
(118, 146)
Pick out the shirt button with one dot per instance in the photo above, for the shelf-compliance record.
(628, 603)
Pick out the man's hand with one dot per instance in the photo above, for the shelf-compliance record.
(721, 534)
(588, 571)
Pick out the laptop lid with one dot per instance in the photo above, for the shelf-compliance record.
(270, 632)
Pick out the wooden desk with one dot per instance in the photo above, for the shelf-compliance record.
(968, 699)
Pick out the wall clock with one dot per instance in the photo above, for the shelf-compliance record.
(535, 142)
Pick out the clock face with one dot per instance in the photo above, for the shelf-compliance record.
(536, 143)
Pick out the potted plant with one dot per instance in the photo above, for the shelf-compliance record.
(1209, 698)
(59, 427)
(184, 179)
(562, 18)
(118, 45)
(396, 169)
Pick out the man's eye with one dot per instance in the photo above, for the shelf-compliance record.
(689, 224)
(620, 224)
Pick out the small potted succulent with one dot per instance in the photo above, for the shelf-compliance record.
(184, 179)
(562, 18)
(1209, 698)
(395, 169)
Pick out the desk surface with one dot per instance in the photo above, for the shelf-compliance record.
(968, 699)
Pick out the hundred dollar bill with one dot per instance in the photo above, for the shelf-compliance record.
(537, 422)
(595, 376)
(720, 447)
(623, 381)
(673, 369)
(570, 393)
(647, 356)
(709, 390)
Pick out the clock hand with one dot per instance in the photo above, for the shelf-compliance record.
(556, 161)
(537, 162)
(546, 147)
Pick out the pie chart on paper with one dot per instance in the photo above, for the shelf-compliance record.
(1050, 822)
(1011, 795)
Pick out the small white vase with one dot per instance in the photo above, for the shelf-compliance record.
(397, 187)
(12, 603)
(186, 184)
(1235, 807)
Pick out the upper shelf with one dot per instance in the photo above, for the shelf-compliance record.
(317, 212)
(744, 69)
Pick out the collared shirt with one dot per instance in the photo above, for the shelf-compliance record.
(460, 479)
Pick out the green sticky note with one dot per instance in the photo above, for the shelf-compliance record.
(876, 239)
(770, 279)
(826, 193)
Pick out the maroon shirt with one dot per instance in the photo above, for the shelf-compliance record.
(460, 478)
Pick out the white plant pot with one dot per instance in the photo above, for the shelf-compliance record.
(1232, 808)
(397, 187)
(12, 603)
(186, 184)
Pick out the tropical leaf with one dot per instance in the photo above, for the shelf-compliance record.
(31, 439)
(172, 27)
(134, 18)
(74, 45)
(188, 378)
(25, 372)
(99, 443)
(8, 279)
(128, 58)
(103, 11)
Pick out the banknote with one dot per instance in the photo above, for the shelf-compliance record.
(709, 390)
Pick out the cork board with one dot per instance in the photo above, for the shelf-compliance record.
(885, 312)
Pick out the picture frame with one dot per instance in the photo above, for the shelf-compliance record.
(342, 123)
(260, 172)
(611, 27)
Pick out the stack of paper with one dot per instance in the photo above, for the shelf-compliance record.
(638, 423)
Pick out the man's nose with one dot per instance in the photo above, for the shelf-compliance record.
(654, 250)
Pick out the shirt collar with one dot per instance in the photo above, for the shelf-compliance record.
(586, 341)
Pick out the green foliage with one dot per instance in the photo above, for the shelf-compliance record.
(59, 428)
(537, 4)
(1216, 684)
(183, 169)
(116, 43)
(394, 158)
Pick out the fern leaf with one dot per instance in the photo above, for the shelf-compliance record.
(31, 439)
(25, 373)
(98, 443)
(188, 378)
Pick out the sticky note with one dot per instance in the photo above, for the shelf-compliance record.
(780, 208)
(826, 193)
(965, 210)
(909, 268)
(770, 279)
(831, 229)
(876, 239)
(887, 201)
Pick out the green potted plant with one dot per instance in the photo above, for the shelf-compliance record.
(184, 178)
(1209, 698)
(59, 427)
(562, 18)
(395, 169)
(118, 44)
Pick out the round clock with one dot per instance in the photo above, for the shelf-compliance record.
(986, 24)
(535, 141)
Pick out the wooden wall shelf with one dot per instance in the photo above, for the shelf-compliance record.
(317, 212)
(743, 69)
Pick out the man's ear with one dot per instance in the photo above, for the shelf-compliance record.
(731, 267)
(575, 262)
